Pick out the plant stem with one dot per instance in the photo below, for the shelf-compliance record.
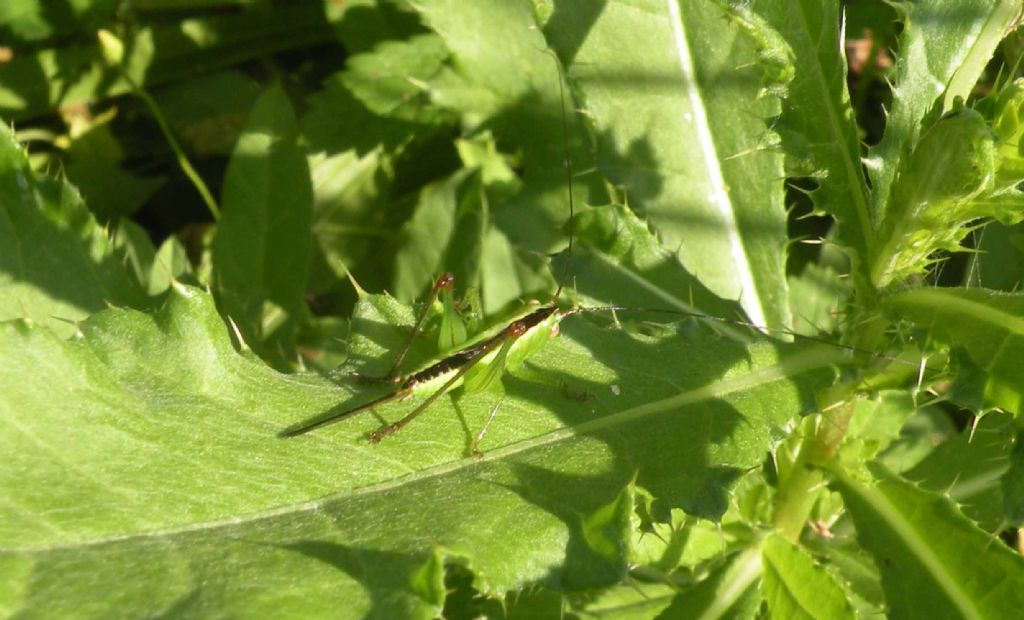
(179, 153)
(794, 502)
(798, 488)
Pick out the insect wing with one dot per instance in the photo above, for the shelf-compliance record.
(486, 376)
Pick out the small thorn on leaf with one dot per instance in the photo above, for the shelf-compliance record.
(238, 334)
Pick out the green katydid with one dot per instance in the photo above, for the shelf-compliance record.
(476, 366)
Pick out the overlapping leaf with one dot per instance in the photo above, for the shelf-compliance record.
(679, 123)
(261, 252)
(795, 587)
(986, 326)
(57, 265)
(928, 553)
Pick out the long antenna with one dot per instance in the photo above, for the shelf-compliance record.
(568, 173)
(761, 328)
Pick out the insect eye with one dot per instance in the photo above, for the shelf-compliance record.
(446, 282)
(516, 329)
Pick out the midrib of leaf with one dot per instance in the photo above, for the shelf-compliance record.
(985, 39)
(784, 578)
(928, 561)
(742, 574)
(309, 507)
(983, 482)
(719, 196)
(931, 297)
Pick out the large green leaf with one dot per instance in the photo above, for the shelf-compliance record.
(636, 462)
(674, 94)
(969, 467)
(57, 265)
(817, 126)
(928, 552)
(145, 454)
(261, 252)
(987, 327)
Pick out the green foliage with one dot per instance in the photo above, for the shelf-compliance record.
(832, 149)
(57, 265)
(794, 587)
(927, 552)
(983, 328)
(953, 163)
(261, 251)
(753, 431)
(668, 130)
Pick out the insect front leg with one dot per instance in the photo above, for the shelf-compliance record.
(445, 283)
